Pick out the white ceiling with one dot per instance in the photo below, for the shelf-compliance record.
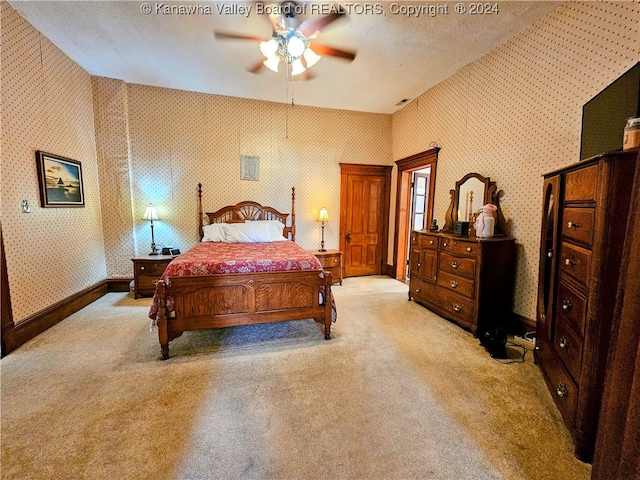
(398, 56)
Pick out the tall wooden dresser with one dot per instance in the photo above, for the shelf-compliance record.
(465, 279)
(585, 212)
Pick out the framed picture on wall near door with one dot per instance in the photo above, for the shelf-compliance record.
(60, 181)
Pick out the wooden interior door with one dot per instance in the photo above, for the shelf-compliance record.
(364, 218)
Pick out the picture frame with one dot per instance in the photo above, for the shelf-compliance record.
(249, 167)
(60, 181)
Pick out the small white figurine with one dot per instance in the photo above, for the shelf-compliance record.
(485, 221)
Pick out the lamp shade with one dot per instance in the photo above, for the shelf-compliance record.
(269, 48)
(310, 57)
(297, 67)
(295, 46)
(272, 63)
(324, 215)
(150, 213)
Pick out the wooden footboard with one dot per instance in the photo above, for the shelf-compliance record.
(215, 301)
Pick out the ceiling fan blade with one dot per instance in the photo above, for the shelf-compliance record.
(257, 68)
(309, 27)
(236, 36)
(307, 75)
(325, 50)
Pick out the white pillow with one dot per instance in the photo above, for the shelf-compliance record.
(213, 233)
(250, 232)
(276, 229)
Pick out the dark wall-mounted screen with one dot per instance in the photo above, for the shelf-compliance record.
(605, 115)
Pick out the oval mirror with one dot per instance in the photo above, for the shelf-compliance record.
(472, 192)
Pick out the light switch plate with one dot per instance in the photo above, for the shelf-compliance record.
(25, 207)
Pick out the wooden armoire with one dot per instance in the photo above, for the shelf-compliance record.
(585, 211)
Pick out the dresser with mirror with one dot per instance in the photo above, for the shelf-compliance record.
(465, 279)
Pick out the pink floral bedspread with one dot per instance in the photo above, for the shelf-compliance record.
(209, 258)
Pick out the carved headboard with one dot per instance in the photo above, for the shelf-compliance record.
(248, 210)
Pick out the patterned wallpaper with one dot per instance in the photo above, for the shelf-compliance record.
(516, 114)
(179, 139)
(52, 253)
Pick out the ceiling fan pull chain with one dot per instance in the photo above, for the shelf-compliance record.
(291, 80)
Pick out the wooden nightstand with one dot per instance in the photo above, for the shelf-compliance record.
(331, 260)
(146, 271)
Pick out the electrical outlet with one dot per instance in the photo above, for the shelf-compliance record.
(25, 207)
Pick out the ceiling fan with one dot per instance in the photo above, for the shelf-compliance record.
(292, 42)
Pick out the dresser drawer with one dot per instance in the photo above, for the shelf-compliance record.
(151, 268)
(568, 347)
(572, 306)
(422, 240)
(418, 288)
(581, 186)
(457, 284)
(331, 260)
(146, 271)
(146, 284)
(459, 247)
(562, 388)
(456, 307)
(578, 224)
(429, 241)
(447, 304)
(458, 265)
(576, 262)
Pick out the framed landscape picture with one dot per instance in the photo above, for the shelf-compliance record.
(60, 181)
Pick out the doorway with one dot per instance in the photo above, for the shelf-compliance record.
(404, 201)
(420, 204)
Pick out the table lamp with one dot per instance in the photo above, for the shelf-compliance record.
(151, 214)
(323, 217)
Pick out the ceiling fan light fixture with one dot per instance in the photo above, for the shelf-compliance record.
(295, 46)
(297, 67)
(272, 63)
(311, 57)
(269, 49)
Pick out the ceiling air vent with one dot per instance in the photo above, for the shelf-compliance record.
(402, 102)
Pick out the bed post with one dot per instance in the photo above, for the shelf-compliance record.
(328, 307)
(293, 214)
(200, 229)
(162, 322)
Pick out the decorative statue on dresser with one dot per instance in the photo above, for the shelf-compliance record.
(485, 221)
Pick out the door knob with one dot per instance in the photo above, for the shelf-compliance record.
(348, 237)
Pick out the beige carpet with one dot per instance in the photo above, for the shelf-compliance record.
(398, 393)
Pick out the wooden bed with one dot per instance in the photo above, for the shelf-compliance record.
(224, 300)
